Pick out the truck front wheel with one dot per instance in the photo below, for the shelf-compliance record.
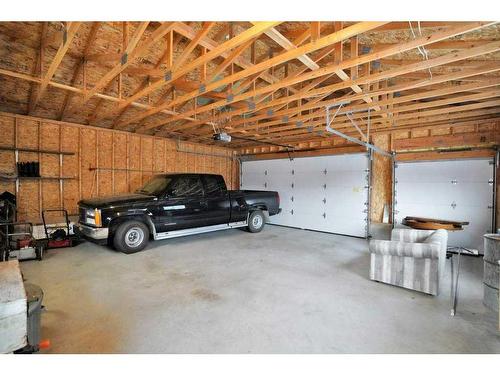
(256, 221)
(131, 237)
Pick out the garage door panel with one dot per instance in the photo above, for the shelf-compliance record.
(353, 197)
(424, 193)
(445, 171)
(337, 208)
(345, 178)
(451, 190)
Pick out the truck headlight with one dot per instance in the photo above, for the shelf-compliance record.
(94, 217)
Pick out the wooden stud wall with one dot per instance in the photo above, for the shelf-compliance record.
(105, 162)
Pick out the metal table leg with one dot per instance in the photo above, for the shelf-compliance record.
(454, 282)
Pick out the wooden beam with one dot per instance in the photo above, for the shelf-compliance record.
(228, 45)
(68, 34)
(276, 36)
(207, 26)
(455, 140)
(132, 52)
(38, 68)
(286, 56)
(79, 68)
(368, 78)
(363, 59)
(315, 31)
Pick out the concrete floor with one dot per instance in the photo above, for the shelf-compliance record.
(280, 291)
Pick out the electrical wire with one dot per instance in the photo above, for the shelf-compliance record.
(421, 49)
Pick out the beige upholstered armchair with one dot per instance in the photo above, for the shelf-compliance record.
(413, 259)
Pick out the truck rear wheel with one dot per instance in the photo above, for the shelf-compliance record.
(131, 237)
(256, 221)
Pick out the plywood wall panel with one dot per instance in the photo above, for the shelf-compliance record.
(49, 136)
(27, 133)
(381, 193)
(105, 151)
(28, 200)
(50, 194)
(70, 141)
(135, 152)
(88, 160)
(120, 150)
(135, 180)
(158, 155)
(49, 165)
(7, 131)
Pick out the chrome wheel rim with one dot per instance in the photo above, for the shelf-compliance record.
(257, 221)
(134, 237)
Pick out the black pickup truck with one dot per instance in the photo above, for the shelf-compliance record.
(173, 205)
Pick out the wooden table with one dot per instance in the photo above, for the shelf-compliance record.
(425, 223)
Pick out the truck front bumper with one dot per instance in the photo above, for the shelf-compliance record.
(91, 233)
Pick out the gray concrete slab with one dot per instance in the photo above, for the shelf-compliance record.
(280, 291)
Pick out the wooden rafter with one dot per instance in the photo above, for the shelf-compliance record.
(286, 56)
(364, 59)
(132, 52)
(80, 66)
(228, 45)
(69, 33)
(38, 68)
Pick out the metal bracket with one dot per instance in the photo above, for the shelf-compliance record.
(124, 59)
(202, 89)
(230, 98)
(329, 121)
(299, 124)
(168, 76)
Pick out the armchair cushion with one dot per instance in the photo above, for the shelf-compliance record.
(405, 249)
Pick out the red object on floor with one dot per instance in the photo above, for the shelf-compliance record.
(59, 243)
(44, 344)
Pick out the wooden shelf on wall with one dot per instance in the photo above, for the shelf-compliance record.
(36, 178)
(40, 151)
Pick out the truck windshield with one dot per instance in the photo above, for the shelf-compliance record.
(155, 186)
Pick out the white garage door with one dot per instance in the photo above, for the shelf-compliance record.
(325, 193)
(459, 190)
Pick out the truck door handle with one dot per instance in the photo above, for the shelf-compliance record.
(204, 203)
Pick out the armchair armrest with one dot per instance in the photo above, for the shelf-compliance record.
(405, 249)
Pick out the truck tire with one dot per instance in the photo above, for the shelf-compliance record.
(256, 221)
(131, 237)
